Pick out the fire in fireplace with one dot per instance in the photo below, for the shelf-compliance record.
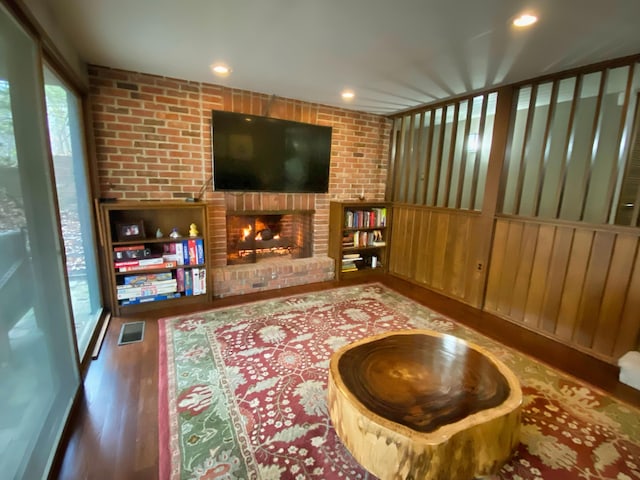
(263, 237)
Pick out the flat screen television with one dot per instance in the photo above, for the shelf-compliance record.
(260, 154)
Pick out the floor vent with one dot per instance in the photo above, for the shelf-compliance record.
(132, 332)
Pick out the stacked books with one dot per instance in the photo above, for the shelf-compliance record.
(148, 287)
(349, 262)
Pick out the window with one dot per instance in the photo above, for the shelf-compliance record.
(569, 148)
(441, 154)
(74, 206)
(39, 374)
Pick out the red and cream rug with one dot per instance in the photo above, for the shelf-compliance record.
(242, 394)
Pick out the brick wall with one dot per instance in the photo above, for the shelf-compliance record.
(153, 141)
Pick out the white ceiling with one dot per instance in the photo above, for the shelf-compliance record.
(394, 54)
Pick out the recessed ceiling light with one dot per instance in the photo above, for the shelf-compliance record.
(348, 95)
(525, 20)
(220, 69)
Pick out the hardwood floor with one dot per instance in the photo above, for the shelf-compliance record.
(113, 434)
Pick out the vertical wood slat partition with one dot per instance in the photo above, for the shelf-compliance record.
(575, 283)
(439, 250)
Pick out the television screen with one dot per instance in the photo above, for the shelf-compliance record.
(262, 154)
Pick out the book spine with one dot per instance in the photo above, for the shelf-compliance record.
(200, 251)
(126, 263)
(195, 282)
(179, 253)
(180, 280)
(151, 298)
(193, 255)
(185, 252)
(188, 283)
(150, 277)
(169, 248)
(150, 261)
(145, 291)
(128, 247)
(134, 268)
(203, 281)
(153, 283)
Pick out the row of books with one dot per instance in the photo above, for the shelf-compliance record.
(188, 251)
(363, 239)
(161, 286)
(375, 217)
(183, 252)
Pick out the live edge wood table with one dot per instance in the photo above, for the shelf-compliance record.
(416, 404)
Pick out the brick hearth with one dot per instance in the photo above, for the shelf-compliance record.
(255, 277)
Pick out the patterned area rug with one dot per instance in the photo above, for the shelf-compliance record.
(243, 394)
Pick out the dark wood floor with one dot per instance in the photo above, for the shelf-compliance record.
(113, 433)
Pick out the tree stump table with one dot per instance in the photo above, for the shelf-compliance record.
(417, 404)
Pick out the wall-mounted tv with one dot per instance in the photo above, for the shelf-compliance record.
(261, 154)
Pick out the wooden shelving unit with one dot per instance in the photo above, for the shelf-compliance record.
(153, 216)
(359, 234)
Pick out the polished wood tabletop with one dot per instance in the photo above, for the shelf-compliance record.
(420, 404)
(422, 381)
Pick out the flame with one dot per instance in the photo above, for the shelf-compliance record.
(246, 232)
(259, 236)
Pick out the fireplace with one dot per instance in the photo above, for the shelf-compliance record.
(257, 237)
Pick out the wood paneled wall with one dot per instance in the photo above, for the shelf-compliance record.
(575, 283)
(442, 249)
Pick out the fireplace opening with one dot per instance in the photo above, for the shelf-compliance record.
(268, 236)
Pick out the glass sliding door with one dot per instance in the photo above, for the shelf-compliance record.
(38, 360)
(74, 205)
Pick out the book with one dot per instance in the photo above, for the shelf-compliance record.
(145, 291)
(350, 260)
(126, 263)
(180, 280)
(134, 268)
(142, 279)
(203, 280)
(150, 261)
(150, 298)
(130, 252)
(179, 253)
(195, 280)
(124, 248)
(152, 283)
(200, 251)
(185, 252)
(188, 283)
(193, 255)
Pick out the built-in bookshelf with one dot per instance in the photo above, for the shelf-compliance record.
(358, 237)
(154, 254)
